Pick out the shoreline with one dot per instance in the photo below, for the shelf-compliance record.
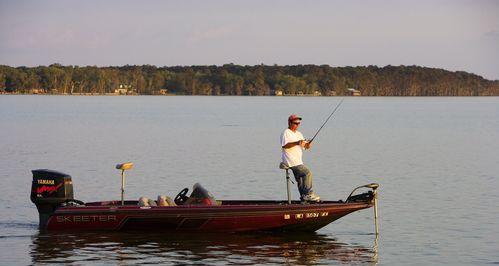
(277, 96)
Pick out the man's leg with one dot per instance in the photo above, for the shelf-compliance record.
(303, 177)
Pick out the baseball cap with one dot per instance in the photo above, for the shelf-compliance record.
(293, 117)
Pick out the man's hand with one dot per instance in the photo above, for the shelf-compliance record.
(306, 144)
(301, 143)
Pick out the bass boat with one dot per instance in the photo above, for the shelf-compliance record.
(52, 193)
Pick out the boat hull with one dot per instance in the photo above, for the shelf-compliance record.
(230, 216)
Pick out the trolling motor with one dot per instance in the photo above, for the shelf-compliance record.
(374, 194)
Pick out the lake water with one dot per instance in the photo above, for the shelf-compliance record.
(436, 160)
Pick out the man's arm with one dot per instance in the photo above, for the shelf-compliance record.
(292, 144)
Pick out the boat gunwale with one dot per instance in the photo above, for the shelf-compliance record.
(186, 209)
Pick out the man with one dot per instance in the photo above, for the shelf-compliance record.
(293, 143)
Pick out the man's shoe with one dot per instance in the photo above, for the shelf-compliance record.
(311, 197)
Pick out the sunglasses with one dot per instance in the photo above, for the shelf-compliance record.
(296, 123)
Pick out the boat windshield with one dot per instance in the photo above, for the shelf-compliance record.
(200, 196)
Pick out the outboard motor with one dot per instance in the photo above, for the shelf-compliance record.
(48, 191)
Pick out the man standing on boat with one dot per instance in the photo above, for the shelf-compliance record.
(293, 143)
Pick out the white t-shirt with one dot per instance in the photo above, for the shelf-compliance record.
(291, 156)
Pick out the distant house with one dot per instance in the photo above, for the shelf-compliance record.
(36, 91)
(353, 92)
(331, 93)
(317, 93)
(278, 93)
(123, 89)
(160, 92)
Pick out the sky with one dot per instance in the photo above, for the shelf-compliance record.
(456, 35)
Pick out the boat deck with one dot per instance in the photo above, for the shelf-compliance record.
(219, 203)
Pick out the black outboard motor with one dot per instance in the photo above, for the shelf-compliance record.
(48, 191)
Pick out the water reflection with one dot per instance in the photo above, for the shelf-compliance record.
(296, 249)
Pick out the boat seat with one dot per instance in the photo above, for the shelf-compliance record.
(146, 202)
(143, 202)
(284, 166)
(152, 202)
(165, 201)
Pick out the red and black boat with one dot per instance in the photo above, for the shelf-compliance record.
(52, 192)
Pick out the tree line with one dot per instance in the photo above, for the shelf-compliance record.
(233, 79)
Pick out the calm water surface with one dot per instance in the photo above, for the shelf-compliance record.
(436, 159)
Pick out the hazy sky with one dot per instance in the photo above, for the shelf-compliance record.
(455, 35)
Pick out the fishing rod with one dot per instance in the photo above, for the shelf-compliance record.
(336, 108)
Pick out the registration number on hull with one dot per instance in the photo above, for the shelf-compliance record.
(305, 215)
